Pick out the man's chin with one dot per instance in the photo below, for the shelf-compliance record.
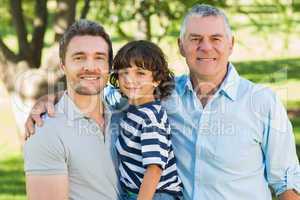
(87, 92)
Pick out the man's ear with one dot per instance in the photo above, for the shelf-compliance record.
(62, 67)
(180, 46)
(231, 44)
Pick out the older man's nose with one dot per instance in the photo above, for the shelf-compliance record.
(205, 45)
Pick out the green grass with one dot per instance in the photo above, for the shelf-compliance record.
(270, 71)
(12, 179)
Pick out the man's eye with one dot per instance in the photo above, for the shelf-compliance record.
(216, 39)
(99, 58)
(78, 58)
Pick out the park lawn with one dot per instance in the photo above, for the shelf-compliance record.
(12, 179)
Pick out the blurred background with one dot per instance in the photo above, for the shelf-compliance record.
(267, 51)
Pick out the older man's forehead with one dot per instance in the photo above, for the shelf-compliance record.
(214, 25)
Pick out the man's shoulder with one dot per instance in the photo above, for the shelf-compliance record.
(50, 130)
(258, 93)
(180, 81)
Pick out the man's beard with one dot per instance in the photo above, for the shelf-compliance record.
(86, 91)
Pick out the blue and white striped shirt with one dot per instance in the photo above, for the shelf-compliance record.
(145, 139)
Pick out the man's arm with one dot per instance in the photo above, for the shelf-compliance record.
(46, 163)
(47, 187)
(289, 195)
(282, 165)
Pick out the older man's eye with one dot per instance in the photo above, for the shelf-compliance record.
(216, 39)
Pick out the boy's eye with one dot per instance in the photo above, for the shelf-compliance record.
(141, 73)
(122, 72)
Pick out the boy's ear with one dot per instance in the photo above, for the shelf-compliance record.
(156, 83)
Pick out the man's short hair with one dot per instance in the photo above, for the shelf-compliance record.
(84, 27)
(204, 10)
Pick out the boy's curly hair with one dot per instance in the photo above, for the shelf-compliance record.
(149, 56)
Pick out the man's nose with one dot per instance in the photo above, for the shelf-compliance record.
(90, 65)
(205, 45)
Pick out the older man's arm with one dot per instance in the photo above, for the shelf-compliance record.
(289, 195)
(47, 187)
(282, 164)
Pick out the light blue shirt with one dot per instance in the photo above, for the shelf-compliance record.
(234, 148)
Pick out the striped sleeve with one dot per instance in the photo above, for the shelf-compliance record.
(155, 144)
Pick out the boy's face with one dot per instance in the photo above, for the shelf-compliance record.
(86, 65)
(137, 84)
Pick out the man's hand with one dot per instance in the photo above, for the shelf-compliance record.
(289, 195)
(45, 104)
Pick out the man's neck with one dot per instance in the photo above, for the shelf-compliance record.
(206, 86)
(90, 105)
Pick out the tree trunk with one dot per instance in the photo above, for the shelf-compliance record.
(85, 9)
(40, 25)
(65, 16)
(18, 20)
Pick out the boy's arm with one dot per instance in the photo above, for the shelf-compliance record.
(44, 104)
(150, 182)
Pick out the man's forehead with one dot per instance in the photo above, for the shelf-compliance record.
(198, 24)
(87, 43)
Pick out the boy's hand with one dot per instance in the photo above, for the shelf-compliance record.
(45, 104)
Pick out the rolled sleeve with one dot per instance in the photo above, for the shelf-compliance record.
(282, 165)
(155, 145)
(44, 153)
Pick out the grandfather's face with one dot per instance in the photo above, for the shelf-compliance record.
(206, 46)
(86, 65)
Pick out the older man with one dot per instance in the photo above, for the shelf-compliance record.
(232, 138)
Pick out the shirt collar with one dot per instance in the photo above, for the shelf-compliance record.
(68, 107)
(229, 86)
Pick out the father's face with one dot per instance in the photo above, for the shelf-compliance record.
(206, 46)
(86, 64)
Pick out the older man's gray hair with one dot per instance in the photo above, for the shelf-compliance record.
(204, 10)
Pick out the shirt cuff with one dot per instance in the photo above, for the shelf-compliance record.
(291, 181)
